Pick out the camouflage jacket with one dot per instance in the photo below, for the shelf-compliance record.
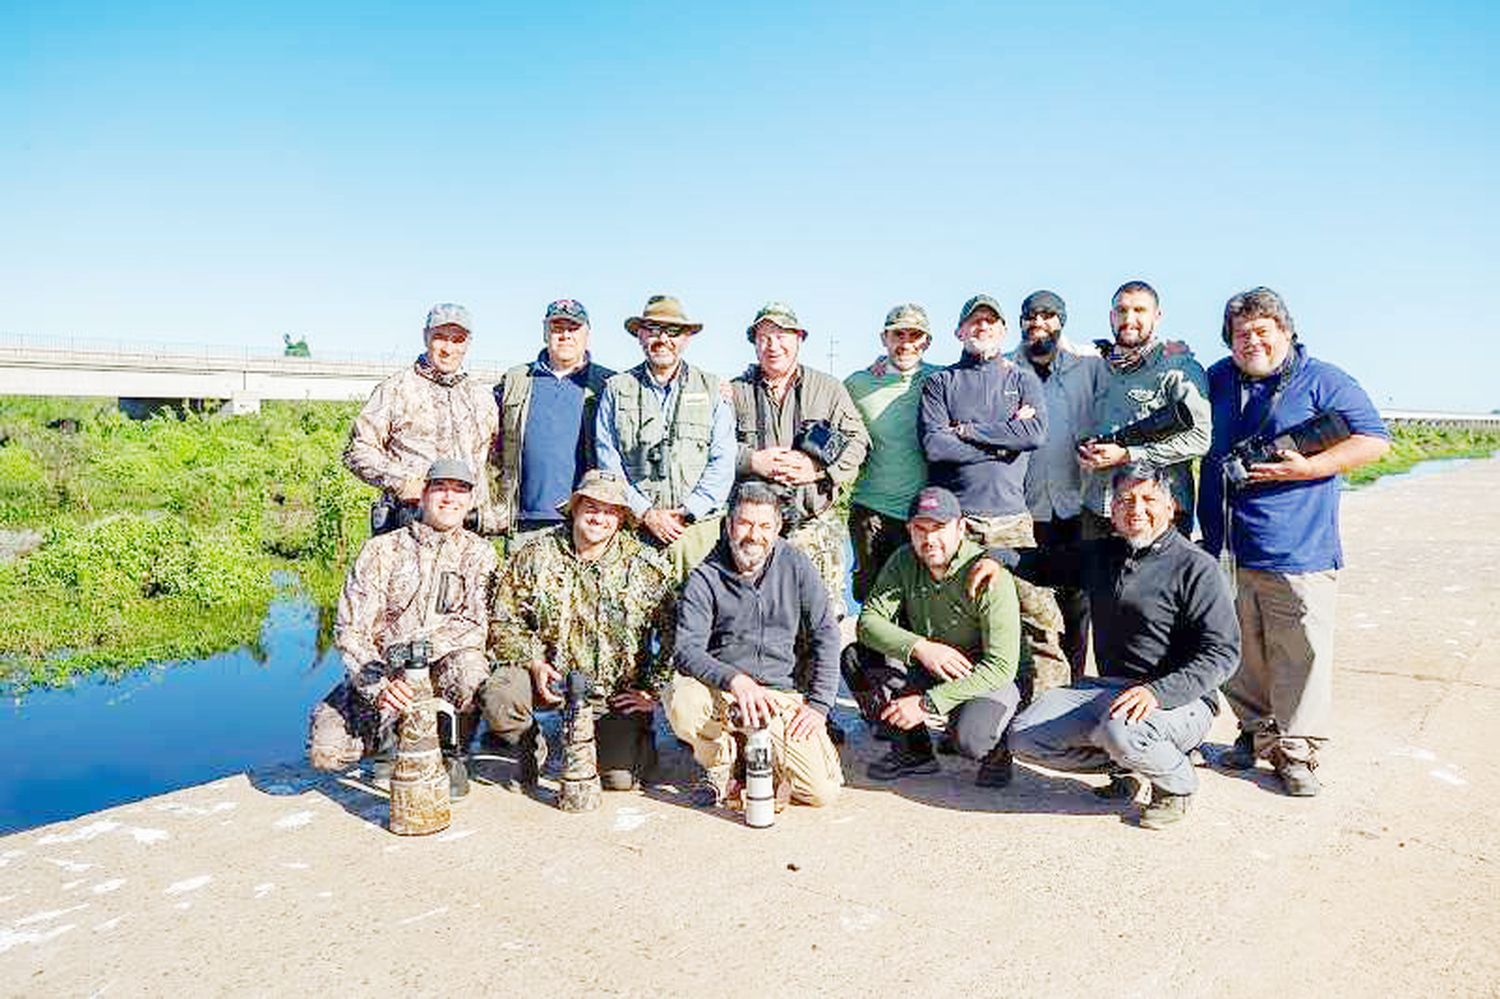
(599, 617)
(412, 419)
(413, 583)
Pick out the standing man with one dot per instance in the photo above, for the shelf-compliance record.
(547, 410)
(1165, 637)
(798, 430)
(668, 429)
(1280, 526)
(920, 614)
(1144, 374)
(429, 580)
(743, 612)
(887, 394)
(588, 596)
(429, 411)
(1054, 482)
(978, 420)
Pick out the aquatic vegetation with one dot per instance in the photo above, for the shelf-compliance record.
(1410, 445)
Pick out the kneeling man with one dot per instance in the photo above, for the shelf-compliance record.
(427, 581)
(583, 596)
(742, 613)
(1165, 638)
(928, 649)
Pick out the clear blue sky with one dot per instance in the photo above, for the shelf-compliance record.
(225, 173)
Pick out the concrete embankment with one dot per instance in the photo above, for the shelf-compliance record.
(1386, 884)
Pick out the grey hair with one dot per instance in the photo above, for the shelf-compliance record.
(1257, 303)
(1140, 471)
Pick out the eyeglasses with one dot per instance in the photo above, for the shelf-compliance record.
(656, 329)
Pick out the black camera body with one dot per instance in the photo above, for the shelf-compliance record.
(821, 441)
(1156, 426)
(1312, 436)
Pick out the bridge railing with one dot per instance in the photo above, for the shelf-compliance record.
(1457, 421)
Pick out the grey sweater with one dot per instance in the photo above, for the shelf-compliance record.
(727, 624)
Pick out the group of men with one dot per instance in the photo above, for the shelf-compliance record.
(677, 538)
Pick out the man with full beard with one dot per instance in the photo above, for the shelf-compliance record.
(738, 622)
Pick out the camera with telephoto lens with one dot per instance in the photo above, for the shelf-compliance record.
(1312, 436)
(1156, 426)
(821, 441)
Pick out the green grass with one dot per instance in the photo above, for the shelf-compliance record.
(161, 536)
(1410, 445)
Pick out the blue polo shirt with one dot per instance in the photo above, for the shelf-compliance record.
(550, 461)
(1286, 527)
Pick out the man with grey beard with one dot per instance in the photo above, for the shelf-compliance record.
(738, 622)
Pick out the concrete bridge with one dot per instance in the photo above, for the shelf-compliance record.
(283, 880)
(155, 374)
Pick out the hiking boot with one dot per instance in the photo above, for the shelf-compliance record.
(1241, 756)
(458, 777)
(946, 745)
(713, 784)
(1122, 786)
(885, 732)
(835, 732)
(1164, 809)
(902, 760)
(996, 768)
(1298, 779)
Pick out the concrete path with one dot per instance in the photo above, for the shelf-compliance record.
(1387, 884)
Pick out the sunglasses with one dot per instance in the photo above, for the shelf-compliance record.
(655, 330)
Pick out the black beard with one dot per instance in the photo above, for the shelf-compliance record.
(1041, 350)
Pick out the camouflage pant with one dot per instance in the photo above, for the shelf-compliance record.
(625, 741)
(821, 539)
(345, 727)
(1043, 665)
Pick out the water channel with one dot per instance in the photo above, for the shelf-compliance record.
(100, 743)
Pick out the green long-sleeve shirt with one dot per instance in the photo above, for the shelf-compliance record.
(987, 630)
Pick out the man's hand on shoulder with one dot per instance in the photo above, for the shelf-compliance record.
(942, 661)
(987, 568)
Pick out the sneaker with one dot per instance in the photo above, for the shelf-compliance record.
(458, 777)
(901, 761)
(1164, 809)
(712, 785)
(1241, 756)
(1122, 786)
(1298, 779)
(996, 768)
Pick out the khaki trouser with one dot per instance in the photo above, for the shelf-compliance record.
(509, 704)
(699, 715)
(1041, 620)
(1283, 690)
(691, 547)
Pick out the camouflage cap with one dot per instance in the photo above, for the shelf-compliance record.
(567, 308)
(663, 310)
(781, 314)
(448, 314)
(455, 469)
(980, 302)
(597, 484)
(1044, 301)
(907, 316)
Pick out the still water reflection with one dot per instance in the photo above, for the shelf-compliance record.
(100, 743)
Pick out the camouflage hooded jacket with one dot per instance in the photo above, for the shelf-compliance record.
(599, 617)
(413, 583)
(412, 419)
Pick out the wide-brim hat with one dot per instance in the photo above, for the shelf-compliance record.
(606, 487)
(664, 310)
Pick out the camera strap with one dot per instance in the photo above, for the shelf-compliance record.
(763, 408)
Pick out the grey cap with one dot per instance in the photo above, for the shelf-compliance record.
(454, 469)
(448, 314)
(980, 302)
